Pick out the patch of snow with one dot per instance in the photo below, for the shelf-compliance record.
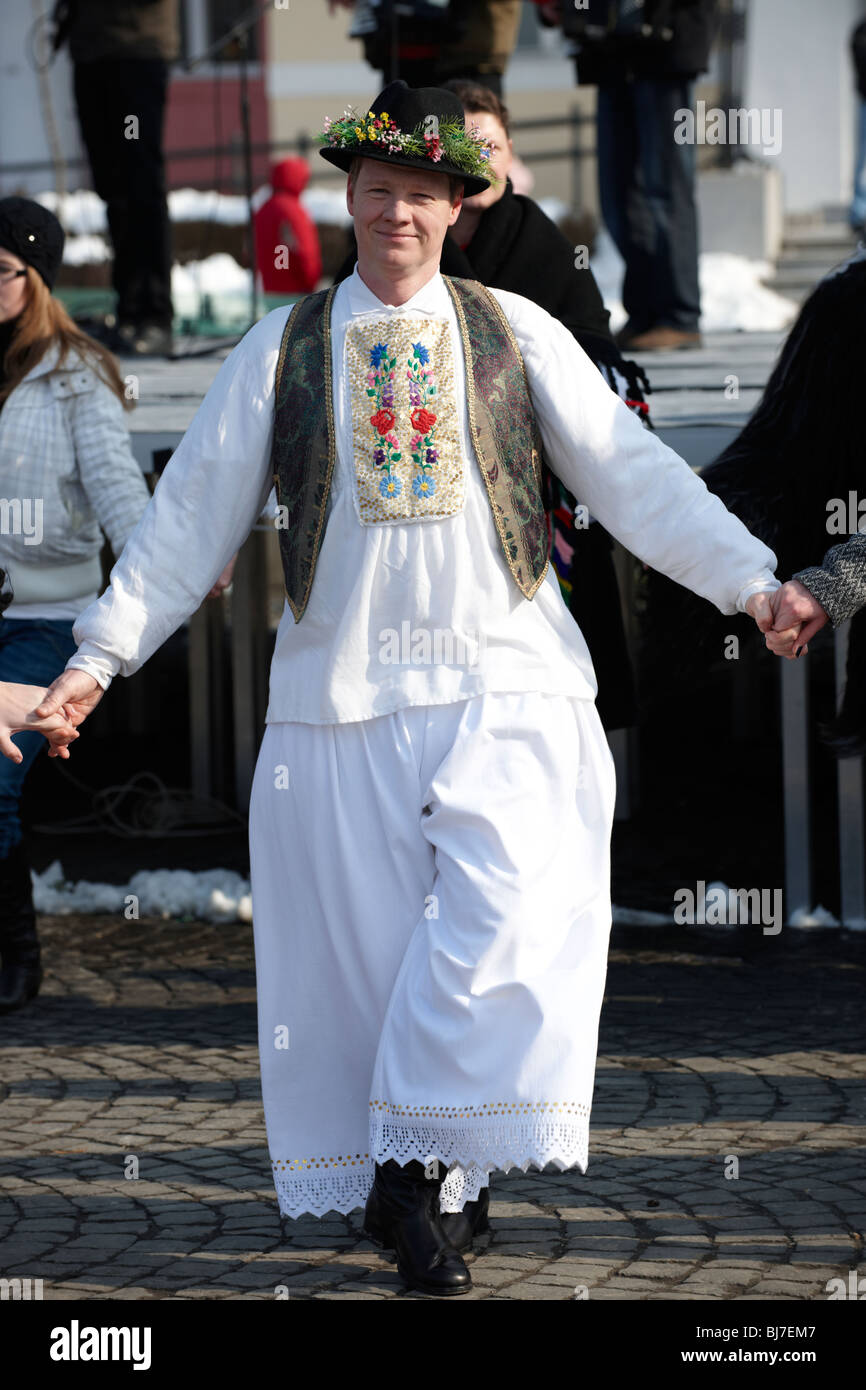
(86, 249)
(220, 279)
(327, 206)
(818, 917)
(212, 895)
(732, 296)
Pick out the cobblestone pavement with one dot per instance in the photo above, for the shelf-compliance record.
(718, 1049)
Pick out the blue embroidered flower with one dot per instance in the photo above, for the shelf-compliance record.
(377, 353)
(424, 487)
(391, 487)
(421, 353)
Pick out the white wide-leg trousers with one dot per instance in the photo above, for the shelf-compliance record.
(431, 906)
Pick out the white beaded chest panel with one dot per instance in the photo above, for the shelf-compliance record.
(408, 460)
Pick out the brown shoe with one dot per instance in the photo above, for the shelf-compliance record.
(662, 340)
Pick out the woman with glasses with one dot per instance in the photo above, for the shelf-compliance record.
(67, 473)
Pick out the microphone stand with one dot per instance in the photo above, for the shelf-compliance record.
(241, 32)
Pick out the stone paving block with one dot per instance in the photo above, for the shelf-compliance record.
(786, 1099)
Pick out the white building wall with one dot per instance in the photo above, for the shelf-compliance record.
(29, 106)
(798, 60)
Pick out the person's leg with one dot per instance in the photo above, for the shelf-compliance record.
(623, 207)
(488, 1050)
(31, 653)
(145, 84)
(101, 117)
(340, 870)
(668, 265)
(121, 107)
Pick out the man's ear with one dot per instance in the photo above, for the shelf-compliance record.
(350, 196)
(456, 208)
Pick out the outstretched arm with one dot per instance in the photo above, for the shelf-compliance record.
(641, 491)
(210, 494)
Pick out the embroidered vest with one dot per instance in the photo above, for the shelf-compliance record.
(501, 420)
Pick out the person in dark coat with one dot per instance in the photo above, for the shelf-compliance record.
(644, 57)
(508, 243)
(428, 43)
(789, 475)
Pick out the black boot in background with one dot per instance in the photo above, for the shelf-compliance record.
(402, 1214)
(21, 974)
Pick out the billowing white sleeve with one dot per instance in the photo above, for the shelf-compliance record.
(640, 490)
(211, 493)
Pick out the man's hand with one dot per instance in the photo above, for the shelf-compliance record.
(18, 713)
(797, 616)
(76, 695)
(759, 607)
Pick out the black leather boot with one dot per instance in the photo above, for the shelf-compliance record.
(461, 1227)
(21, 974)
(402, 1213)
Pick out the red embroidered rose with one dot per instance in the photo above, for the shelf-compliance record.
(423, 420)
(383, 420)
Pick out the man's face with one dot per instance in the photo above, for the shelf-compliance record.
(401, 215)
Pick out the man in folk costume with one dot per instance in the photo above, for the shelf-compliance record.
(432, 805)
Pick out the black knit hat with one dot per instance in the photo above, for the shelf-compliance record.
(415, 127)
(32, 232)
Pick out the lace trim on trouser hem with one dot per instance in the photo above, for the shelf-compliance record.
(315, 1194)
(484, 1144)
(312, 1194)
(462, 1185)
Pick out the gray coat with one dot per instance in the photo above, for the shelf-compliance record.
(839, 584)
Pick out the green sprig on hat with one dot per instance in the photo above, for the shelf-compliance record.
(466, 150)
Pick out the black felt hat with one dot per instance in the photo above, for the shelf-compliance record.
(430, 117)
(32, 232)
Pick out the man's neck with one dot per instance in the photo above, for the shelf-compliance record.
(396, 289)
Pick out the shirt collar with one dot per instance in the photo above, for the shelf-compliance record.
(430, 299)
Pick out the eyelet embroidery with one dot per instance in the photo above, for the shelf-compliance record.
(467, 1112)
(284, 1165)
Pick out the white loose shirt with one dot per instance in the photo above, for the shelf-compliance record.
(412, 610)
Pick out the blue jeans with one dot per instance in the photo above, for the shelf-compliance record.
(647, 190)
(33, 651)
(857, 214)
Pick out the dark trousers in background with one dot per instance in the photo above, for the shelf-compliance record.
(647, 189)
(33, 651)
(129, 176)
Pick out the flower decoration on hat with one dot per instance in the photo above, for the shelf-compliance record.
(466, 150)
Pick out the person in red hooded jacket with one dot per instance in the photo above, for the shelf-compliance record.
(288, 255)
